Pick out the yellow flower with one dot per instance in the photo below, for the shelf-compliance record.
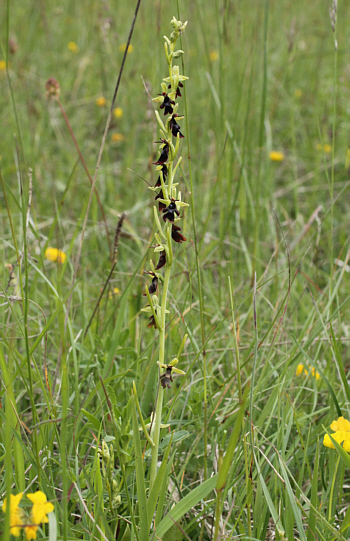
(122, 48)
(115, 291)
(326, 148)
(341, 424)
(40, 508)
(118, 112)
(16, 513)
(341, 428)
(300, 369)
(53, 254)
(214, 55)
(117, 137)
(276, 156)
(2, 65)
(341, 437)
(31, 532)
(298, 93)
(315, 374)
(101, 101)
(73, 47)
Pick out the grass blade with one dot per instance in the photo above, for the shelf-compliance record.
(189, 501)
(140, 478)
(311, 533)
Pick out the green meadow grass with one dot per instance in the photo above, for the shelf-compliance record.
(260, 286)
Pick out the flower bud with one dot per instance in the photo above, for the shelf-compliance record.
(52, 88)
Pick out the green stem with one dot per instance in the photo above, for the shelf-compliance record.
(261, 142)
(159, 405)
(333, 149)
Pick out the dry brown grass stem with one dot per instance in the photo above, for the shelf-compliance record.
(115, 251)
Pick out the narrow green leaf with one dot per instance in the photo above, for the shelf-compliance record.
(93, 420)
(311, 530)
(340, 365)
(175, 437)
(140, 479)
(52, 527)
(346, 522)
(158, 485)
(227, 461)
(293, 503)
(144, 428)
(183, 506)
(116, 334)
(163, 492)
(269, 501)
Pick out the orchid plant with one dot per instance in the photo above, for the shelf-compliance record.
(167, 214)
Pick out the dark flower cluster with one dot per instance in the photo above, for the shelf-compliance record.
(171, 212)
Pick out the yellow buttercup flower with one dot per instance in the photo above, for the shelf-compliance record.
(326, 148)
(122, 48)
(214, 55)
(41, 507)
(53, 254)
(298, 93)
(346, 443)
(315, 374)
(73, 47)
(341, 437)
(16, 513)
(342, 434)
(276, 156)
(302, 370)
(117, 137)
(113, 293)
(31, 531)
(101, 101)
(341, 424)
(2, 65)
(118, 112)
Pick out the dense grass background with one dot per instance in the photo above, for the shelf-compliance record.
(263, 77)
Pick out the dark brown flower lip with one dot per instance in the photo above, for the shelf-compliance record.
(175, 235)
(178, 93)
(162, 260)
(154, 285)
(164, 155)
(165, 174)
(166, 378)
(152, 322)
(167, 104)
(175, 128)
(170, 211)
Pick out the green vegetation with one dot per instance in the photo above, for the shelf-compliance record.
(260, 288)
